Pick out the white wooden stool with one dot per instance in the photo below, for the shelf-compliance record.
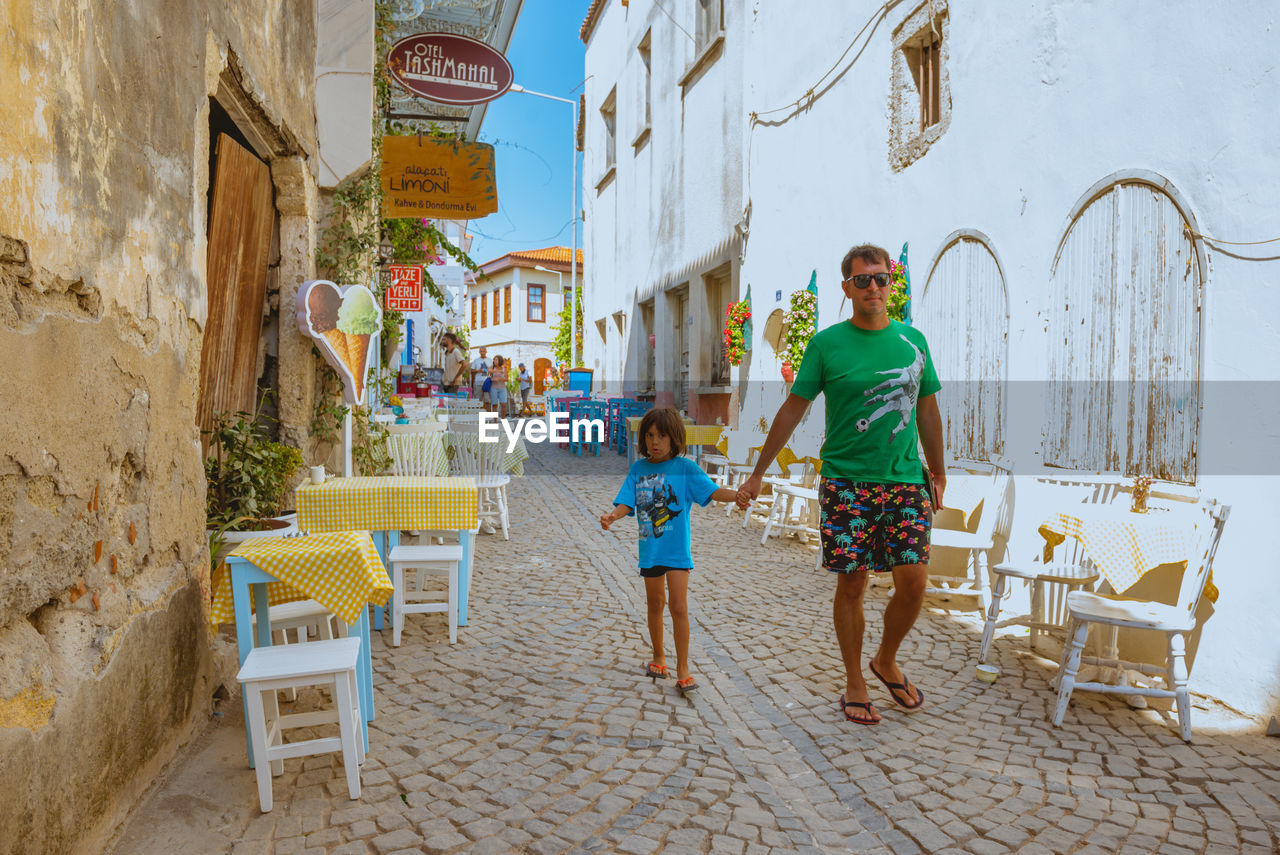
(330, 663)
(435, 560)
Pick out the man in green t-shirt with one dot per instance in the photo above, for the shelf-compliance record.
(876, 508)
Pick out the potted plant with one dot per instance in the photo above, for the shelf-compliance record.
(802, 322)
(248, 477)
(735, 317)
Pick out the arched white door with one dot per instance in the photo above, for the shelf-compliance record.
(964, 314)
(1124, 335)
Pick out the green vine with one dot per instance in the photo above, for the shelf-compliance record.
(326, 419)
(348, 252)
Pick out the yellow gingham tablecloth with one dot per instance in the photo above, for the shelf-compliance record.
(388, 503)
(339, 570)
(1124, 546)
(702, 434)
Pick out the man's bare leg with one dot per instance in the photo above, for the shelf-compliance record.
(909, 582)
(846, 613)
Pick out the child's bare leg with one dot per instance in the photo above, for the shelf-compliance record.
(654, 592)
(677, 592)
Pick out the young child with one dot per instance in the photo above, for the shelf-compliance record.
(661, 488)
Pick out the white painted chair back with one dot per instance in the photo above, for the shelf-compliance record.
(416, 427)
(416, 454)
(1208, 533)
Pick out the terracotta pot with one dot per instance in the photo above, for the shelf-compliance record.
(788, 373)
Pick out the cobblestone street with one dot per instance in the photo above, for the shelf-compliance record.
(538, 733)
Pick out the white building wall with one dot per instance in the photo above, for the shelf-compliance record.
(1046, 101)
(344, 87)
(668, 213)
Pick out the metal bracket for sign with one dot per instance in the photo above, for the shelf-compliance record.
(418, 116)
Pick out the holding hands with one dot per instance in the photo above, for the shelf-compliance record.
(747, 493)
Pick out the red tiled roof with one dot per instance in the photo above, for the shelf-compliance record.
(552, 257)
(589, 23)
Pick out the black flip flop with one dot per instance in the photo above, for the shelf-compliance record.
(657, 672)
(894, 688)
(685, 686)
(844, 707)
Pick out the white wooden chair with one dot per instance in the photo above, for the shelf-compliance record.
(307, 619)
(736, 475)
(1071, 568)
(424, 561)
(330, 664)
(1175, 621)
(482, 461)
(795, 503)
(416, 452)
(978, 543)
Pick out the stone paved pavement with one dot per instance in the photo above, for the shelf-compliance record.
(538, 733)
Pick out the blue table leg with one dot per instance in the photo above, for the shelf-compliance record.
(385, 541)
(248, 583)
(364, 672)
(467, 540)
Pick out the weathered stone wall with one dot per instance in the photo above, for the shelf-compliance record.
(105, 654)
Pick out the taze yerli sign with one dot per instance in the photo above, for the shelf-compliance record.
(424, 177)
(404, 294)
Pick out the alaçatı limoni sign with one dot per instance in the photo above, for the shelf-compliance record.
(448, 68)
(426, 177)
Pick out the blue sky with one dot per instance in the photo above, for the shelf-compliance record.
(533, 137)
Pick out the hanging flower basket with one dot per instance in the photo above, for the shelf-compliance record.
(802, 322)
(898, 299)
(735, 345)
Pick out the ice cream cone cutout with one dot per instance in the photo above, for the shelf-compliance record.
(343, 323)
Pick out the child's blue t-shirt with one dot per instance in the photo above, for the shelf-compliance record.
(661, 495)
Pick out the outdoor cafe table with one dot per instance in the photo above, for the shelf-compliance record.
(389, 504)
(1124, 545)
(340, 570)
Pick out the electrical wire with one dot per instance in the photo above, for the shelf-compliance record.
(674, 21)
(808, 94)
(1211, 239)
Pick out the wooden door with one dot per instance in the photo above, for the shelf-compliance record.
(241, 216)
(964, 314)
(540, 366)
(1124, 338)
(680, 322)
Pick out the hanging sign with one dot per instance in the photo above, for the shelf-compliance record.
(342, 322)
(424, 177)
(448, 68)
(404, 294)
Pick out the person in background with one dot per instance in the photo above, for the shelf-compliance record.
(479, 373)
(498, 386)
(526, 386)
(455, 363)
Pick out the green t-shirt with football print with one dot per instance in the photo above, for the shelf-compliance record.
(872, 380)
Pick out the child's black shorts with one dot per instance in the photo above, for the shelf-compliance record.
(657, 571)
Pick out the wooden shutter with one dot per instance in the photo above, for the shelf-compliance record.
(241, 216)
(964, 315)
(1124, 343)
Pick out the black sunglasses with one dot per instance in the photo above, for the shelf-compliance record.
(864, 280)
